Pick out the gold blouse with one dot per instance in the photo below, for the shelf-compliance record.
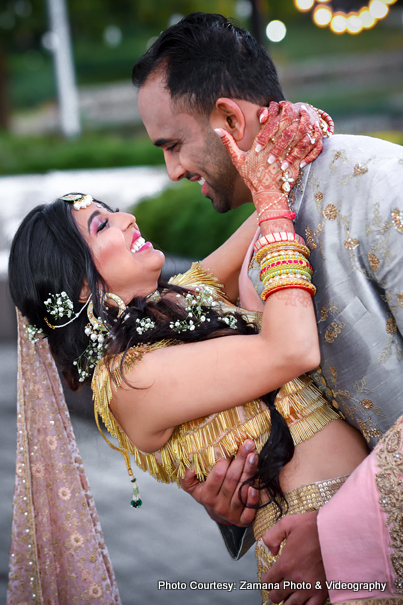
(198, 444)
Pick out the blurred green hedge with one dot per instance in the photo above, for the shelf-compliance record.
(182, 222)
(93, 149)
(100, 149)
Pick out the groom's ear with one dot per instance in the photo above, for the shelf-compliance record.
(228, 114)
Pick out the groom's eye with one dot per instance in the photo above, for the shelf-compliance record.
(172, 147)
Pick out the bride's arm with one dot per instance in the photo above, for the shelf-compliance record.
(225, 263)
(181, 383)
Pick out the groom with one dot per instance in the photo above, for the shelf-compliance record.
(205, 73)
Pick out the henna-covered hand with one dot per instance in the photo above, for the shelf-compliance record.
(288, 134)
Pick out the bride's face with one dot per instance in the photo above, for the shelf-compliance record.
(129, 265)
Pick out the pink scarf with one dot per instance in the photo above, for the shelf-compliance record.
(58, 553)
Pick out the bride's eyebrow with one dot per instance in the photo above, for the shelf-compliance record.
(91, 218)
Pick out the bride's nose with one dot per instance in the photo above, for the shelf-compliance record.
(126, 220)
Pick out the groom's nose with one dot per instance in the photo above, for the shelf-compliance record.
(175, 170)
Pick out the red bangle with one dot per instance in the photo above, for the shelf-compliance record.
(282, 236)
(290, 215)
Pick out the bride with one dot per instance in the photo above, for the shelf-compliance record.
(180, 375)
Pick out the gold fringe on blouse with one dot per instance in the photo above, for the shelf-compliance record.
(199, 443)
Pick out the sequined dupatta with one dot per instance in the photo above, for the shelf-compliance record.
(58, 553)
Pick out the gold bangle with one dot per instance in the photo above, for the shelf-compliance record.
(300, 284)
(295, 246)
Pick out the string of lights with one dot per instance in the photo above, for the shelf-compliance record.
(328, 13)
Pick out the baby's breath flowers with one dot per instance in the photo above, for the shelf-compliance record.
(195, 305)
(34, 333)
(59, 305)
(99, 335)
(145, 324)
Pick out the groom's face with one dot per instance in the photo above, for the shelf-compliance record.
(191, 148)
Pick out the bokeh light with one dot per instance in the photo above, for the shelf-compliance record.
(276, 31)
(338, 24)
(378, 9)
(367, 19)
(322, 16)
(354, 23)
(304, 5)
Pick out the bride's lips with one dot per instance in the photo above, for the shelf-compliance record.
(139, 243)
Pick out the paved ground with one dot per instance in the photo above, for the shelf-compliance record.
(170, 538)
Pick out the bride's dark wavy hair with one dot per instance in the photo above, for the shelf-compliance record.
(49, 255)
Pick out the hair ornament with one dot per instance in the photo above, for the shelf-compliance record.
(99, 334)
(154, 296)
(60, 305)
(79, 200)
(33, 333)
(196, 313)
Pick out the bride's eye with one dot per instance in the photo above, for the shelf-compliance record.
(102, 225)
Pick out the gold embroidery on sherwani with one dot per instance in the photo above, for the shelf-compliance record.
(329, 310)
(397, 218)
(392, 345)
(357, 404)
(359, 170)
(298, 188)
(391, 326)
(389, 483)
(330, 212)
(373, 261)
(400, 299)
(310, 238)
(351, 243)
(333, 331)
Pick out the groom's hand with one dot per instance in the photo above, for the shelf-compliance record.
(219, 494)
(300, 560)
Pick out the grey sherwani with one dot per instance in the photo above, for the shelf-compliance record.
(349, 206)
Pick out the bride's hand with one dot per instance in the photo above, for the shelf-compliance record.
(287, 136)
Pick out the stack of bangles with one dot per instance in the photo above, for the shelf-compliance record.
(283, 259)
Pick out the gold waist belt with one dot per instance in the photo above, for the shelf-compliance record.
(300, 500)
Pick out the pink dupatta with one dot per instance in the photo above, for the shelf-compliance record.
(58, 553)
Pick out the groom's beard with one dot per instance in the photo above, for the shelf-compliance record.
(220, 172)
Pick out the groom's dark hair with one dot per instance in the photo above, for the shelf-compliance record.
(205, 57)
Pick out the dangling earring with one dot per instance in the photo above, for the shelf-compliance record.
(154, 296)
(120, 304)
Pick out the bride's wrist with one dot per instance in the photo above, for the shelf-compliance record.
(266, 201)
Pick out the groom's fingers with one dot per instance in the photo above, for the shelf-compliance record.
(248, 514)
(237, 155)
(221, 494)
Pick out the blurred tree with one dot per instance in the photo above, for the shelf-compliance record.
(22, 23)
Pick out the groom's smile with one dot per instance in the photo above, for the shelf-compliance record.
(191, 148)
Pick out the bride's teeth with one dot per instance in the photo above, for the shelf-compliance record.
(140, 241)
(201, 181)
